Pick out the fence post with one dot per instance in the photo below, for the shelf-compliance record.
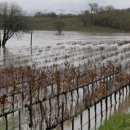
(71, 95)
(95, 109)
(22, 94)
(58, 103)
(123, 91)
(77, 95)
(6, 121)
(101, 109)
(77, 90)
(111, 100)
(62, 122)
(83, 93)
(19, 120)
(115, 96)
(50, 110)
(0, 40)
(31, 41)
(81, 120)
(72, 123)
(119, 93)
(52, 90)
(106, 103)
(89, 124)
(30, 106)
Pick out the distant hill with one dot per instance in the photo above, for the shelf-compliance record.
(114, 20)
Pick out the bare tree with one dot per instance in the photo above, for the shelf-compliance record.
(93, 7)
(59, 25)
(12, 21)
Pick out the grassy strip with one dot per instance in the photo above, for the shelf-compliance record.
(120, 121)
(12, 123)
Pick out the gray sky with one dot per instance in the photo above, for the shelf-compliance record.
(66, 5)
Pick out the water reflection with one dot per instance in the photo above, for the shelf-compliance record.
(48, 49)
(45, 38)
(15, 56)
(122, 105)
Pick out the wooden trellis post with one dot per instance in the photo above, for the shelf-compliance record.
(89, 120)
(30, 107)
(95, 109)
(81, 121)
(106, 102)
(72, 123)
(22, 94)
(6, 121)
(77, 95)
(83, 94)
(123, 91)
(72, 96)
(101, 108)
(120, 93)
(52, 90)
(111, 99)
(0, 40)
(50, 110)
(31, 41)
(58, 104)
(62, 122)
(115, 96)
(19, 120)
(77, 91)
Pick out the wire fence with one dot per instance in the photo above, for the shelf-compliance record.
(44, 99)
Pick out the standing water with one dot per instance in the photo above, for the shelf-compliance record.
(46, 38)
(49, 49)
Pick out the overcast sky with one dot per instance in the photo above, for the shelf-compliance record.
(66, 5)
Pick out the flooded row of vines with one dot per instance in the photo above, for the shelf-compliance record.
(44, 97)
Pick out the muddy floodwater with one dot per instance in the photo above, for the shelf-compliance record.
(49, 49)
(47, 45)
(45, 38)
(122, 105)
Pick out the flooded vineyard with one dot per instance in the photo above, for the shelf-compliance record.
(65, 84)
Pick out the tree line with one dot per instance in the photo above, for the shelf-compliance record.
(106, 16)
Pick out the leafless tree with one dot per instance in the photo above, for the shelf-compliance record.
(93, 7)
(11, 21)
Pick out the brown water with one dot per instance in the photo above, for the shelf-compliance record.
(18, 51)
(45, 38)
(122, 105)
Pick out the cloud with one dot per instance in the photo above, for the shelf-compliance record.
(76, 5)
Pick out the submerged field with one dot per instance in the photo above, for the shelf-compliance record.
(48, 84)
(75, 53)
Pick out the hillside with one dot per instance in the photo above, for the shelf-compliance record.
(71, 24)
(100, 21)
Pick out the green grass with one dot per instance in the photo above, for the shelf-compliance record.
(120, 121)
(71, 24)
(12, 123)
